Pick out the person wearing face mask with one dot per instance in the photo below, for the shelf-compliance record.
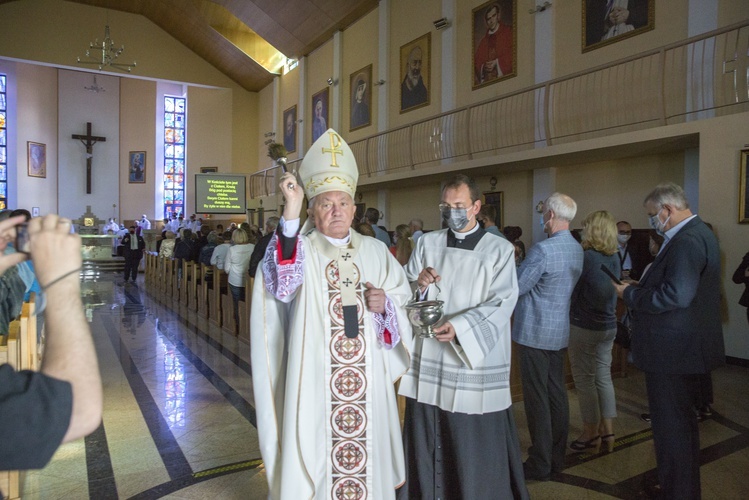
(632, 257)
(459, 432)
(487, 218)
(133, 247)
(546, 279)
(677, 335)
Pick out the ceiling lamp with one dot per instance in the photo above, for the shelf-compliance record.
(109, 54)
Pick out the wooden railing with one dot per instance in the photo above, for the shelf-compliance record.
(697, 78)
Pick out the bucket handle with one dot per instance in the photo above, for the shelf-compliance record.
(417, 294)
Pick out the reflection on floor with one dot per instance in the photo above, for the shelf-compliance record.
(179, 419)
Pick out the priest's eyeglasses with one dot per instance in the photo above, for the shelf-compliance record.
(446, 206)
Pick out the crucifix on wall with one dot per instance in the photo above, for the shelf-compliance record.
(89, 140)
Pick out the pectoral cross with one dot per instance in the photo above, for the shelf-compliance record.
(89, 140)
(335, 148)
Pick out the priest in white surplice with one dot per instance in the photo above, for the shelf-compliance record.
(329, 338)
(459, 433)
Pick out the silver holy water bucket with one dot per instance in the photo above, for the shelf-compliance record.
(424, 314)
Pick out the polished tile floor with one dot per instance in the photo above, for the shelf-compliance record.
(179, 419)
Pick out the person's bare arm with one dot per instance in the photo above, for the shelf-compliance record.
(69, 353)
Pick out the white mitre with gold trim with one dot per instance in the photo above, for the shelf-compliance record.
(329, 165)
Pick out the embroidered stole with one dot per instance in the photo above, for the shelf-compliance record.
(347, 365)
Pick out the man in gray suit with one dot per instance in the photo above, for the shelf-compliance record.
(677, 335)
(541, 326)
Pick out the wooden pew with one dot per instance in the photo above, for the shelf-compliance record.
(194, 286)
(174, 285)
(185, 286)
(227, 312)
(166, 280)
(152, 261)
(27, 342)
(163, 279)
(220, 281)
(147, 274)
(204, 303)
(243, 331)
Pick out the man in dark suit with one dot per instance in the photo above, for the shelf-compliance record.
(677, 335)
(133, 247)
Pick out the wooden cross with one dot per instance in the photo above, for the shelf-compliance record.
(89, 140)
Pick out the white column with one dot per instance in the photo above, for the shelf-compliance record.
(278, 129)
(544, 183)
(301, 107)
(383, 36)
(544, 43)
(335, 97)
(702, 17)
(383, 205)
(544, 59)
(449, 74)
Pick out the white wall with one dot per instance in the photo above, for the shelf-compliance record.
(79, 106)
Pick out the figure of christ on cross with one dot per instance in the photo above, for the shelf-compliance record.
(88, 140)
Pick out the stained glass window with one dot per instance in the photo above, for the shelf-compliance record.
(174, 155)
(3, 143)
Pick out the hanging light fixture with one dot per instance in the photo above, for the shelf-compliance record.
(95, 87)
(109, 54)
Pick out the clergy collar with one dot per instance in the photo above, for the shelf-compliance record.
(339, 242)
(462, 236)
(330, 247)
(468, 241)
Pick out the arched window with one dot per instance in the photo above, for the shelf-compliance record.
(174, 155)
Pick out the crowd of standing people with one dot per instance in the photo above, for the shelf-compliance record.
(459, 438)
(330, 335)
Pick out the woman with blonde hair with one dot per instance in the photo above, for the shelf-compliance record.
(592, 332)
(237, 265)
(404, 245)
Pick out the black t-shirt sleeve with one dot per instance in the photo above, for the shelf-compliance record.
(35, 413)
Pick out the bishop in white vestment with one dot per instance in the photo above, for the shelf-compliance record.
(329, 338)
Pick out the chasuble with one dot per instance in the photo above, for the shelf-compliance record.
(326, 407)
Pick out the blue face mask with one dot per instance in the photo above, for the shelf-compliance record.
(657, 225)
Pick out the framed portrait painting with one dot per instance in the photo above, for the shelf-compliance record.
(607, 22)
(136, 167)
(497, 200)
(289, 129)
(320, 113)
(37, 159)
(415, 73)
(494, 40)
(360, 85)
(743, 189)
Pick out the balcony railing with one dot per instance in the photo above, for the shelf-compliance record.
(697, 78)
